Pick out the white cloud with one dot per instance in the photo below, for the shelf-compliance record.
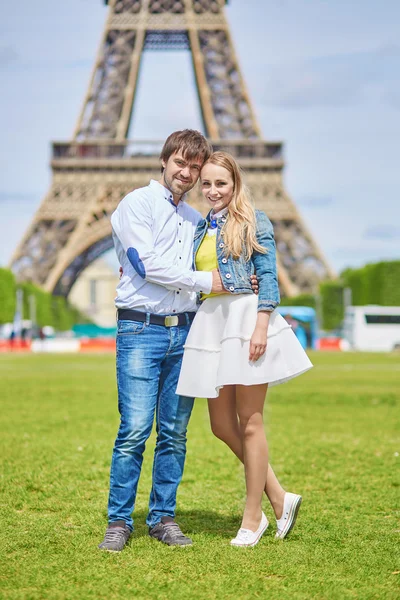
(386, 233)
(313, 201)
(323, 79)
(13, 197)
(8, 55)
(334, 80)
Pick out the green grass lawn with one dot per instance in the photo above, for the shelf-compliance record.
(334, 437)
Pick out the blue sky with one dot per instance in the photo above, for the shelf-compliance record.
(323, 76)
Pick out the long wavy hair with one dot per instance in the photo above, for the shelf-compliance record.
(240, 227)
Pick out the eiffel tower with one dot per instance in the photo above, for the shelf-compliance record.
(93, 172)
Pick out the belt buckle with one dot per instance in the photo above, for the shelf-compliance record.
(171, 321)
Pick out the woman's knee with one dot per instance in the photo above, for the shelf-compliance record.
(220, 430)
(250, 424)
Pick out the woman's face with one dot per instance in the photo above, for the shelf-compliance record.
(217, 186)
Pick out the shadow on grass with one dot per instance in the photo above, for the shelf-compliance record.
(207, 522)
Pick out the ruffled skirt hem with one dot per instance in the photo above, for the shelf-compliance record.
(218, 345)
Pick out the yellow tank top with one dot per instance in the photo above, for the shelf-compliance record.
(206, 258)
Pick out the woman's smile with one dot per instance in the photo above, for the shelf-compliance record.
(217, 186)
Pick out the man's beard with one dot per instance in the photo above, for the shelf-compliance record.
(177, 187)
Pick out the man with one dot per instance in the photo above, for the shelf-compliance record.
(153, 231)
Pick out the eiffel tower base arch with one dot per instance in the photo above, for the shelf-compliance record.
(94, 171)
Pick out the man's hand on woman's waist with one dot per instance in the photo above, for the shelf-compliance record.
(217, 286)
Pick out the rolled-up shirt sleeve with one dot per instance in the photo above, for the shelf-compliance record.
(132, 224)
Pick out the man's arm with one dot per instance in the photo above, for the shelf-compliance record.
(133, 227)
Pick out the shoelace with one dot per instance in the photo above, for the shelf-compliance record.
(245, 533)
(174, 530)
(114, 534)
(284, 517)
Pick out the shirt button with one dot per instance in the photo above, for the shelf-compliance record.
(231, 289)
(228, 275)
(180, 241)
(221, 245)
(224, 260)
(180, 223)
(174, 311)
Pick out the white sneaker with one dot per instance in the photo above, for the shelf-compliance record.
(246, 537)
(291, 506)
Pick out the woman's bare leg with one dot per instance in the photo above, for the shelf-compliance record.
(250, 407)
(225, 426)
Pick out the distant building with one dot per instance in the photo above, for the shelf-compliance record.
(94, 292)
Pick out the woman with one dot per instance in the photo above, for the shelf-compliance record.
(238, 344)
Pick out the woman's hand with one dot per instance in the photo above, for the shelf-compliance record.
(254, 283)
(258, 342)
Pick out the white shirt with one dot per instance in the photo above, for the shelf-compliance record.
(153, 239)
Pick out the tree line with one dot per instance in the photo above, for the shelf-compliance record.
(51, 310)
(377, 283)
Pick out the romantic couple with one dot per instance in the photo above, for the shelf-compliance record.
(189, 325)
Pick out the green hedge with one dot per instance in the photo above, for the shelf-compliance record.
(50, 310)
(332, 310)
(7, 296)
(376, 283)
(300, 300)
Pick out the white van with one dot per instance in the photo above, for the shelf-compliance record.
(372, 328)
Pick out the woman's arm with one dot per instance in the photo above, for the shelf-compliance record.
(258, 342)
(265, 265)
(268, 297)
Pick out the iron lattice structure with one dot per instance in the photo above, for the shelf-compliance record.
(99, 166)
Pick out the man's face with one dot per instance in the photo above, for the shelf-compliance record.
(180, 175)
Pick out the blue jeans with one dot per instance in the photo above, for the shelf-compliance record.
(148, 364)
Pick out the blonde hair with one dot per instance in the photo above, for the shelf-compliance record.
(240, 227)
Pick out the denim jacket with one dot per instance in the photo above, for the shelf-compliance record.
(235, 272)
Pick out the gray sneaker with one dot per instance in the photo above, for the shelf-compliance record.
(168, 532)
(117, 534)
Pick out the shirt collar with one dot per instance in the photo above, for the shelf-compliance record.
(165, 192)
(219, 214)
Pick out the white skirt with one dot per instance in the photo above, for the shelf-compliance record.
(217, 348)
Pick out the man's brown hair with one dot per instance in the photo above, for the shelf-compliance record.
(190, 142)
